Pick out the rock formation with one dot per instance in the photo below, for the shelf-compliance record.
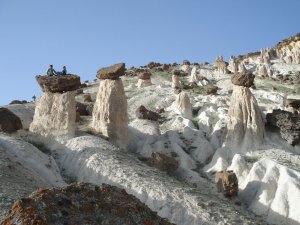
(55, 112)
(110, 109)
(288, 124)
(58, 84)
(194, 77)
(182, 104)
(164, 162)
(227, 183)
(265, 56)
(82, 203)
(143, 113)
(176, 79)
(144, 80)
(242, 68)
(9, 122)
(233, 65)
(288, 50)
(262, 71)
(221, 65)
(245, 126)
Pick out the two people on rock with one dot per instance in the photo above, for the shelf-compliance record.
(52, 72)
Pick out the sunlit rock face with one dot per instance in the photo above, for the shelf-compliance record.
(220, 65)
(55, 111)
(182, 105)
(288, 51)
(245, 126)
(55, 114)
(110, 115)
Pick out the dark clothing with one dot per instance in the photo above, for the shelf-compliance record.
(51, 72)
(64, 72)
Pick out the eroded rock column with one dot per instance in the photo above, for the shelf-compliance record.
(245, 123)
(110, 115)
(55, 112)
(144, 80)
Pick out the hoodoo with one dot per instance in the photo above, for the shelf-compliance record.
(55, 112)
(110, 115)
(245, 123)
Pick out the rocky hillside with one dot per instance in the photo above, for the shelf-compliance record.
(82, 204)
(196, 143)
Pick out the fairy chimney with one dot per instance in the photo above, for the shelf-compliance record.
(55, 111)
(176, 79)
(109, 115)
(245, 126)
(182, 104)
(221, 65)
(144, 80)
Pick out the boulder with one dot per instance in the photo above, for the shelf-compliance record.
(9, 122)
(82, 109)
(82, 203)
(221, 65)
(245, 126)
(110, 115)
(227, 183)
(145, 76)
(176, 72)
(288, 124)
(55, 114)
(211, 89)
(243, 79)
(143, 113)
(186, 62)
(112, 72)
(164, 162)
(59, 84)
(87, 98)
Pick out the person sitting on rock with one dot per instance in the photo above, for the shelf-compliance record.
(51, 71)
(64, 71)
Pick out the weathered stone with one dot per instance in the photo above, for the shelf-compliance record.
(82, 203)
(145, 76)
(112, 72)
(143, 113)
(182, 105)
(243, 79)
(288, 124)
(221, 65)
(227, 183)
(176, 72)
(211, 89)
(87, 98)
(59, 84)
(245, 126)
(176, 81)
(55, 114)
(82, 109)
(110, 112)
(9, 122)
(164, 162)
(143, 83)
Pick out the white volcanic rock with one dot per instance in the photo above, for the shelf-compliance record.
(55, 114)
(265, 55)
(176, 81)
(94, 160)
(24, 111)
(273, 190)
(110, 115)
(194, 77)
(221, 65)
(245, 122)
(143, 83)
(182, 105)
(262, 71)
(233, 65)
(289, 52)
(239, 167)
(242, 68)
(23, 169)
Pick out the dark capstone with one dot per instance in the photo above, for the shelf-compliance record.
(211, 89)
(112, 72)
(227, 183)
(176, 72)
(145, 76)
(9, 122)
(186, 62)
(143, 113)
(243, 79)
(287, 123)
(58, 84)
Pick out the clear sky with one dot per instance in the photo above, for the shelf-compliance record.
(86, 35)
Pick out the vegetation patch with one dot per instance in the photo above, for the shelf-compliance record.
(41, 146)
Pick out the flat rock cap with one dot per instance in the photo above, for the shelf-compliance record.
(145, 76)
(243, 79)
(59, 84)
(112, 72)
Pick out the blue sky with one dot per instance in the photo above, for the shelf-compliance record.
(87, 35)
